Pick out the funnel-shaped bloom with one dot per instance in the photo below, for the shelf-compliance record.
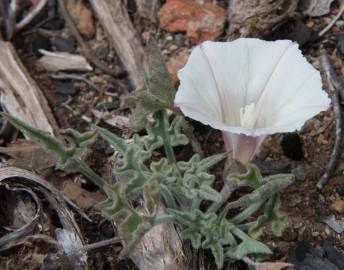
(250, 88)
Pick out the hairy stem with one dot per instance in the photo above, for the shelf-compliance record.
(225, 194)
(83, 168)
(162, 118)
(163, 218)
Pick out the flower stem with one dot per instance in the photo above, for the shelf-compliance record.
(163, 218)
(225, 194)
(162, 118)
(169, 153)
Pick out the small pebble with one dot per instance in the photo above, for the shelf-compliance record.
(321, 140)
(338, 205)
(301, 172)
(173, 47)
(315, 234)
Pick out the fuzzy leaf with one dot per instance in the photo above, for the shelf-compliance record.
(134, 157)
(264, 192)
(118, 143)
(157, 94)
(248, 246)
(196, 184)
(278, 225)
(196, 164)
(151, 196)
(217, 251)
(195, 187)
(129, 226)
(113, 206)
(78, 141)
(207, 230)
(162, 168)
(208, 193)
(253, 176)
(43, 138)
(194, 236)
(271, 214)
(162, 133)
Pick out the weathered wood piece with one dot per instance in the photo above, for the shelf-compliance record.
(256, 18)
(116, 22)
(160, 248)
(62, 61)
(20, 94)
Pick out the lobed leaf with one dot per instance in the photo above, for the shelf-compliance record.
(157, 94)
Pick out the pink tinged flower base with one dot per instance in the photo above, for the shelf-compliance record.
(243, 147)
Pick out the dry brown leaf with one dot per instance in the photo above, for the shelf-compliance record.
(29, 156)
(83, 198)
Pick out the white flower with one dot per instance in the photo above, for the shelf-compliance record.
(250, 88)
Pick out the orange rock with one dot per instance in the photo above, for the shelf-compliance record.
(176, 63)
(200, 21)
(82, 16)
(338, 205)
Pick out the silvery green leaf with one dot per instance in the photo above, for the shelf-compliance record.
(176, 138)
(271, 214)
(197, 165)
(264, 192)
(217, 251)
(243, 215)
(162, 171)
(208, 230)
(79, 140)
(247, 247)
(194, 236)
(113, 205)
(278, 225)
(208, 193)
(128, 227)
(253, 176)
(118, 143)
(162, 133)
(43, 138)
(151, 196)
(134, 157)
(157, 94)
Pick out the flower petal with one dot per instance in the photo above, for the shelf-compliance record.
(222, 78)
(243, 147)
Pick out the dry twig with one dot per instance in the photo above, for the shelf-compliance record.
(20, 93)
(8, 12)
(122, 35)
(34, 12)
(328, 27)
(64, 76)
(332, 82)
(103, 243)
(117, 72)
